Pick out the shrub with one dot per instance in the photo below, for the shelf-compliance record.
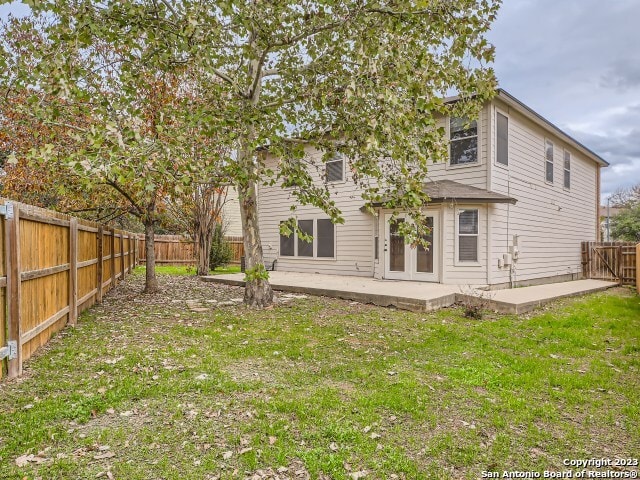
(221, 252)
(474, 302)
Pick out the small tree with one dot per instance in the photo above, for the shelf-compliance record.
(626, 225)
(199, 212)
(112, 121)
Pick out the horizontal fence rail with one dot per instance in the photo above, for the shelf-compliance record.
(613, 261)
(53, 267)
(178, 250)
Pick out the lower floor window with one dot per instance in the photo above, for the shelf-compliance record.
(322, 244)
(468, 235)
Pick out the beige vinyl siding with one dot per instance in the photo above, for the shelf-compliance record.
(467, 273)
(231, 214)
(550, 220)
(471, 174)
(354, 238)
(452, 271)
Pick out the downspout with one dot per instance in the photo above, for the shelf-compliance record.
(489, 162)
(598, 231)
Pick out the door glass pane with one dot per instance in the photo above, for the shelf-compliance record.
(396, 247)
(424, 256)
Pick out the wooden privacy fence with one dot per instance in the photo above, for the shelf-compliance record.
(613, 261)
(178, 250)
(52, 267)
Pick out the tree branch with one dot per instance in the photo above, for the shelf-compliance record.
(126, 195)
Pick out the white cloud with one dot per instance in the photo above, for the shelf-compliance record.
(577, 63)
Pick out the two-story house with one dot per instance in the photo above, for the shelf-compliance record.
(510, 207)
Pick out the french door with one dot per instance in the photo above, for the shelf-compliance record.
(404, 262)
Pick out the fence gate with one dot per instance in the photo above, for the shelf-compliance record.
(612, 261)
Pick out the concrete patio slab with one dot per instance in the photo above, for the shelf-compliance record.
(416, 296)
(419, 296)
(525, 299)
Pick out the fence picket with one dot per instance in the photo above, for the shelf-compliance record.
(54, 267)
(177, 250)
(614, 261)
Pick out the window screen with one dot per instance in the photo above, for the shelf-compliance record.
(548, 161)
(502, 139)
(463, 136)
(335, 170)
(305, 249)
(286, 245)
(468, 236)
(325, 247)
(567, 169)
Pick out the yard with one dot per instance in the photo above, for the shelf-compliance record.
(188, 384)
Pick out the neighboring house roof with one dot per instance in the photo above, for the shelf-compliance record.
(613, 211)
(447, 190)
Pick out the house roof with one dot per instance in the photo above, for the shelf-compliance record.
(441, 191)
(547, 125)
(538, 119)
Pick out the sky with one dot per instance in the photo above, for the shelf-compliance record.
(576, 63)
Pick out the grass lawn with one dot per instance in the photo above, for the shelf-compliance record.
(190, 270)
(175, 386)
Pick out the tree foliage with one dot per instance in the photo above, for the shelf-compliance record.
(626, 224)
(103, 118)
(365, 78)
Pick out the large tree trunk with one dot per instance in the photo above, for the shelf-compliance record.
(257, 291)
(151, 282)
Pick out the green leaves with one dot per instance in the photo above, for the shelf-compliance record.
(167, 85)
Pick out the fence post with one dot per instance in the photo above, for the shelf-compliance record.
(121, 256)
(73, 271)
(14, 287)
(99, 272)
(113, 257)
(638, 267)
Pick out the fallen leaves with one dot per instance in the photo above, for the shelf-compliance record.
(24, 460)
(104, 456)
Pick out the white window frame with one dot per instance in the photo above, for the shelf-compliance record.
(495, 155)
(552, 162)
(456, 259)
(478, 140)
(337, 158)
(315, 257)
(565, 169)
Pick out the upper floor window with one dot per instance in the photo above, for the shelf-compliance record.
(567, 169)
(335, 169)
(502, 139)
(548, 154)
(463, 136)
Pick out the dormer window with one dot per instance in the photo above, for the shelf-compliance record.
(335, 169)
(463, 137)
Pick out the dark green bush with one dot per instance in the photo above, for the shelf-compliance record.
(221, 251)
